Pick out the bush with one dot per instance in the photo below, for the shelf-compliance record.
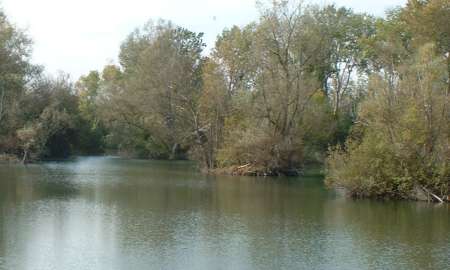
(402, 138)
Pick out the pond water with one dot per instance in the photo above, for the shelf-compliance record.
(111, 213)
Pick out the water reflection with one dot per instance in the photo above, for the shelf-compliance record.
(109, 213)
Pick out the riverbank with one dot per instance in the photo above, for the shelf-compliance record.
(6, 158)
(252, 170)
(423, 194)
(418, 193)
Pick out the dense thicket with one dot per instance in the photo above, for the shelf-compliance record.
(399, 146)
(40, 116)
(270, 97)
(301, 83)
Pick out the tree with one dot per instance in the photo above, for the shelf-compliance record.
(15, 72)
(266, 135)
(161, 83)
(233, 54)
(91, 129)
(342, 53)
(428, 21)
(402, 140)
(49, 113)
(87, 88)
(213, 108)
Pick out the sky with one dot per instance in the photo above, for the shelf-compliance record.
(77, 36)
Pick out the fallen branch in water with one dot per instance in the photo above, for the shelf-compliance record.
(433, 195)
(244, 166)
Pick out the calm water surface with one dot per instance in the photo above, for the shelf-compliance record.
(110, 213)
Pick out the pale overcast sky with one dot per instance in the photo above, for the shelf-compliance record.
(77, 36)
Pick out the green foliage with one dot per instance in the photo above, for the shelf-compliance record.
(91, 130)
(52, 120)
(402, 140)
(301, 82)
(15, 70)
(155, 92)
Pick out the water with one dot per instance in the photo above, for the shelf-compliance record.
(110, 213)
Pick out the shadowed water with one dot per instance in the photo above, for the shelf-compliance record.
(110, 213)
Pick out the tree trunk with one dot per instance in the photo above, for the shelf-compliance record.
(25, 156)
(174, 151)
(2, 98)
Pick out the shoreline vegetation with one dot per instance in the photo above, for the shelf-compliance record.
(5, 158)
(367, 97)
(251, 170)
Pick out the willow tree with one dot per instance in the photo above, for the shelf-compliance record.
(49, 116)
(91, 129)
(428, 21)
(268, 137)
(400, 144)
(212, 109)
(402, 140)
(161, 81)
(15, 72)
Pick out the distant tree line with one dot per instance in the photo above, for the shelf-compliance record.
(366, 96)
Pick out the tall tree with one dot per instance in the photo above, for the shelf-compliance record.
(161, 83)
(402, 140)
(342, 53)
(15, 71)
